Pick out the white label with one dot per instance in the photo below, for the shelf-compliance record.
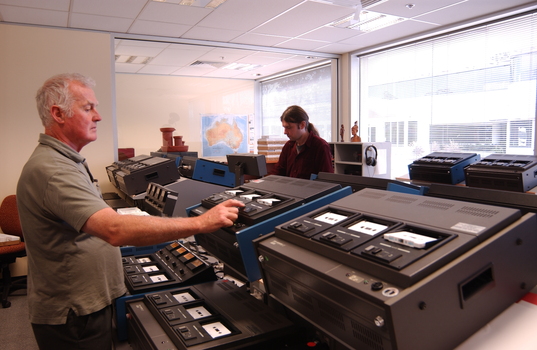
(216, 329)
(150, 268)
(158, 278)
(367, 227)
(198, 312)
(461, 226)
(330, 218)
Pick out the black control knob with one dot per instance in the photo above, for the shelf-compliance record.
(376, 286)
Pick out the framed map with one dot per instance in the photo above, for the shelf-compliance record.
(224, 134)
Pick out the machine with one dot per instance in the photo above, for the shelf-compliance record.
(380, 270)
(213, 315)
(172, 266)
(268, 202)
(506, 172)
(174, 199)
(442, 167)
(133, 175)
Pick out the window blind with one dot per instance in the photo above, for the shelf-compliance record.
(311, 89)
(469, 91)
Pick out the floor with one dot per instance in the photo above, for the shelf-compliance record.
(16, 331)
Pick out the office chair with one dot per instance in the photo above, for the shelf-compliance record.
(10, 224)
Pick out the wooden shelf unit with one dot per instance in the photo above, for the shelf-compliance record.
(352, 158)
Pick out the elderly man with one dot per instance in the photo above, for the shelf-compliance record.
(72, 236)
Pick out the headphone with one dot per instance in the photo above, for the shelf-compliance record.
(372, 161)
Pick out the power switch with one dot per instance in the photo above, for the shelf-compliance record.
(299, 227)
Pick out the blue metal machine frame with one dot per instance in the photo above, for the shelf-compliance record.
(246, 236)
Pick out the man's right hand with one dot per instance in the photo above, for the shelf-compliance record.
(222, 215)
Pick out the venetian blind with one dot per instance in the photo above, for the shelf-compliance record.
(311, 89)
(470, 91)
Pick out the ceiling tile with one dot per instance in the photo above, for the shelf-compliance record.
(128, 48)
(261, 61)
(330, 34)
(153, 69)
(224, 73)
(193, 71)
(466, 10)
(128, 67)
(336, 48)
(245, 15)
(33, 16)
(177, 57)
(158, 28)
(173, 13)
(259, 39)
(112, 8)
(302, 44)
(211, 34)
(225, 55)
(303, 18)
(112, 24)
(58, 5)
(398, 7)
(397, 31)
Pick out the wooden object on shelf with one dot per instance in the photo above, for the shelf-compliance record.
(354, 131)
(372, 159)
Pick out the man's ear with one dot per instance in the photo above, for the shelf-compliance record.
(302, 125)
(57, 114)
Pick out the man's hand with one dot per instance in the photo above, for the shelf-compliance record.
(222, 215)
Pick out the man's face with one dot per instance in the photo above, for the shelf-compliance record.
(293, 130)
(81, 128)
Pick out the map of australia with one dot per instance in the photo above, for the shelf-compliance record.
(222, 131)
(224, 134)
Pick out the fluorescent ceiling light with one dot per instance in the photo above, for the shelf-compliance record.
(132, 59)
(242, 66)
(367, 21)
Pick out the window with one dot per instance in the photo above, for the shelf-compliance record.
(470, 91)
(311, 89)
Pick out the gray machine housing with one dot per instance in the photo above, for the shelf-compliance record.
(485, 263)
(508, 172)
(174, 199)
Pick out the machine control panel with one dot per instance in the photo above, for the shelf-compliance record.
(214, 315)
(341, 229)
(258, 204)
(174, 265)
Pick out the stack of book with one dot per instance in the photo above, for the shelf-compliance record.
(271, 147)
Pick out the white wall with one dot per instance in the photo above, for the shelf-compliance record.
(147, 103)
(30, 55)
